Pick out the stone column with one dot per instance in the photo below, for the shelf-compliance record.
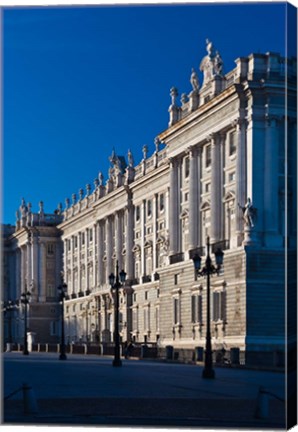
(65, 262)
(109, 247)
(143, 222)
(215, 188)
(43, 273)
(94, 256)
(255, 172)
(119, 237)
(18, 273)
(86, 260)
(240, 173)
(155, 217)
(193, 198)
(129, 265)
(271, 201)
(100, 252)
(34, 266)
(28, 253)
(173, 208)
(72, 264)
(79, 261)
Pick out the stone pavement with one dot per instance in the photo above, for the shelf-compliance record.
(88, 390)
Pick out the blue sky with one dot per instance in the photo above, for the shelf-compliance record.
(79, 81)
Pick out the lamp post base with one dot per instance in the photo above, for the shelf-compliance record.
(208, 373)
(117, 362)
(62, 357)
(26, 352)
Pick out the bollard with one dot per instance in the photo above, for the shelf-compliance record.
(29, 400)
(262, 409)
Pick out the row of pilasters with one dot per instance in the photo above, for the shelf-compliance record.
(217, 141)
(107, 247)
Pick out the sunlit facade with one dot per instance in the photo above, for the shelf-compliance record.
(218, 170)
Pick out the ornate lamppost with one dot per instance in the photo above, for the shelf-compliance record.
(115, 285)
(25, 298)
(208, 270)
(62, 288)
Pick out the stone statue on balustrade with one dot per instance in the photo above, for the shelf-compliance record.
(212, 64)
(249, 214)
(194, 80)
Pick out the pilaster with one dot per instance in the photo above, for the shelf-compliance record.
(173, 207)
(193, 198)
(240, 174)
(216, 195)
(129, 265)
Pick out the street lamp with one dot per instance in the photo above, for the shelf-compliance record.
(209, 269)
(115, 287)
(25, 298)
(62, 290)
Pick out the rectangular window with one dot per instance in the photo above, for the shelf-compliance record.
(90, 235)
(208, 156)
(137, 213)
(176, 311)
(51, 291)
(75, 242)
(83, 239)
(135, 323)
(219, 306)
(50, 249)
(149, 208)
(186, 167)
(196, 309)
(176, 279)
(157, 319)
(232, 143)
(54, 328)
(161, 202)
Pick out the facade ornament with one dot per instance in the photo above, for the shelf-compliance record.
(174, 110)
(145, 151)
(66, 203)
(184, 98)
(59, 208)
(74, 198)
(173, 94)
(157, 144)
(41, 210)
(100, 178)
(23, 208)
(17, 215)
(81, 194)
(212, 64)
(130, 159)
(96, 183)
(218, 64)
(88, 189)
(194, 81)
(249, 214)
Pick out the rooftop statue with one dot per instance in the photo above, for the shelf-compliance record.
(194, 80)
(249, 214)
(130, 159)
(212, 64)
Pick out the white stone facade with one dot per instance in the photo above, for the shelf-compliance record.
(219, 170)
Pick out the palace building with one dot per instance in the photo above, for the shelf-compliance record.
(225, 168)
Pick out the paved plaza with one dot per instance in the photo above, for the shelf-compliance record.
(88, 390)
